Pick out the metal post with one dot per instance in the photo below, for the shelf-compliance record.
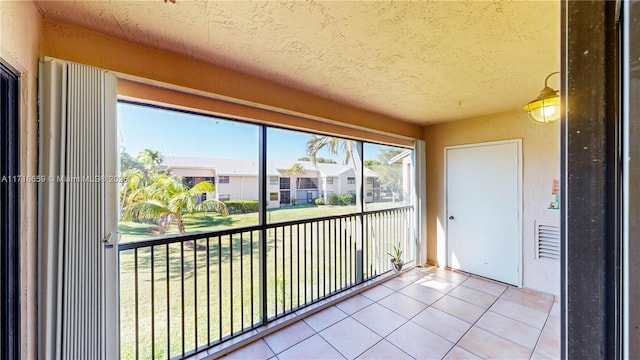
(262, 196)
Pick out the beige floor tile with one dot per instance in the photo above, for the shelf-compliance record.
(412, 275)
(490, 346)
(509, 329)
(379, 319)
(552, 325)
(437, 284)
(325, 318)
(473, 296)
(459, 308)
(487, 286)
(384, 350)
(453, 276)
(397, 283)
(441, 323)
(523, 298)
(350, 337)
(314, 347)
(377, 293)
(419, 342)
(549, 345)
(403, 305)
(422, 293)
(354, 304)
(256, 350)
(289, 336)
(520, 312)
(458, 353)
(555, 309)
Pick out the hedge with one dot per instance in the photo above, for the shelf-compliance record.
(242, 206)
(342, 199)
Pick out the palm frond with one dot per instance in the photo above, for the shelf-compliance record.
(148, 208)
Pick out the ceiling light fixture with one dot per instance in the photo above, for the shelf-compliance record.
(546, 107)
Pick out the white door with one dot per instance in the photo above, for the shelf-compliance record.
(483, 210)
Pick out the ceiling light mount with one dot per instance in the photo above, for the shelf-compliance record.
(546, 107)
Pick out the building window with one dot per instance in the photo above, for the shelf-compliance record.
(307, 183)
(285, 183)
(352, 192)
(223, 180)
(369, 180)
(369, 193)
(351, 180)
(273, 180)
(273, 196)
(224, 197)
(330, 180)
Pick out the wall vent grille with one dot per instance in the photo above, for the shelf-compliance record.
(548, 242)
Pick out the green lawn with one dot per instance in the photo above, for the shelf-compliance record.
(207, 222)
(302, 264)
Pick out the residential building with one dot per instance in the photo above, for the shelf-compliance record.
(237, 179)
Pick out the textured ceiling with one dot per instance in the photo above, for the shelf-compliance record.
(423, 62)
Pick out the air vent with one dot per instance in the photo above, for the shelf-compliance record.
(548, 237)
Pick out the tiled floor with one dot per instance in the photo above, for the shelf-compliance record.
(423, 314)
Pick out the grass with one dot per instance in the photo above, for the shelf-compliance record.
(303, 263)
(208, 222)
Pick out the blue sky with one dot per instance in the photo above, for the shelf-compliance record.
(179, 134)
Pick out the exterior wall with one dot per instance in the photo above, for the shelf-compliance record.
(273, 189)
(541, 165)
(239, 188)
(20, 38)
(368, 188)
(343, 186)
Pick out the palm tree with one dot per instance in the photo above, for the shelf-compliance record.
(351, 152)
(294, 171)
(150, 159)
(334, 145)
(169, 200)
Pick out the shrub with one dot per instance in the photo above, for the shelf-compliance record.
(334, 199)
(348, 199)
(319, 201)
(242, 206)
(342, 199)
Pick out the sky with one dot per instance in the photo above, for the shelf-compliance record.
(188, 135)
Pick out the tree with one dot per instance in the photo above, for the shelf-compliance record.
(336, 146)
(132, 174)
(169, 200)
(389, 175)
(137, 173)
(294, 171)
(369, 164)
(150, 159)
(319, 160)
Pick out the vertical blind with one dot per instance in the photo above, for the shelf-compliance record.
(77, 211)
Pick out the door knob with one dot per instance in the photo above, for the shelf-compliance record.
(451, 217)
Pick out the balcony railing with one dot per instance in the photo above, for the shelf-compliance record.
(182, 295)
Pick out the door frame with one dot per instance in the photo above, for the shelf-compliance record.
(518, 142)
(10, 287)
